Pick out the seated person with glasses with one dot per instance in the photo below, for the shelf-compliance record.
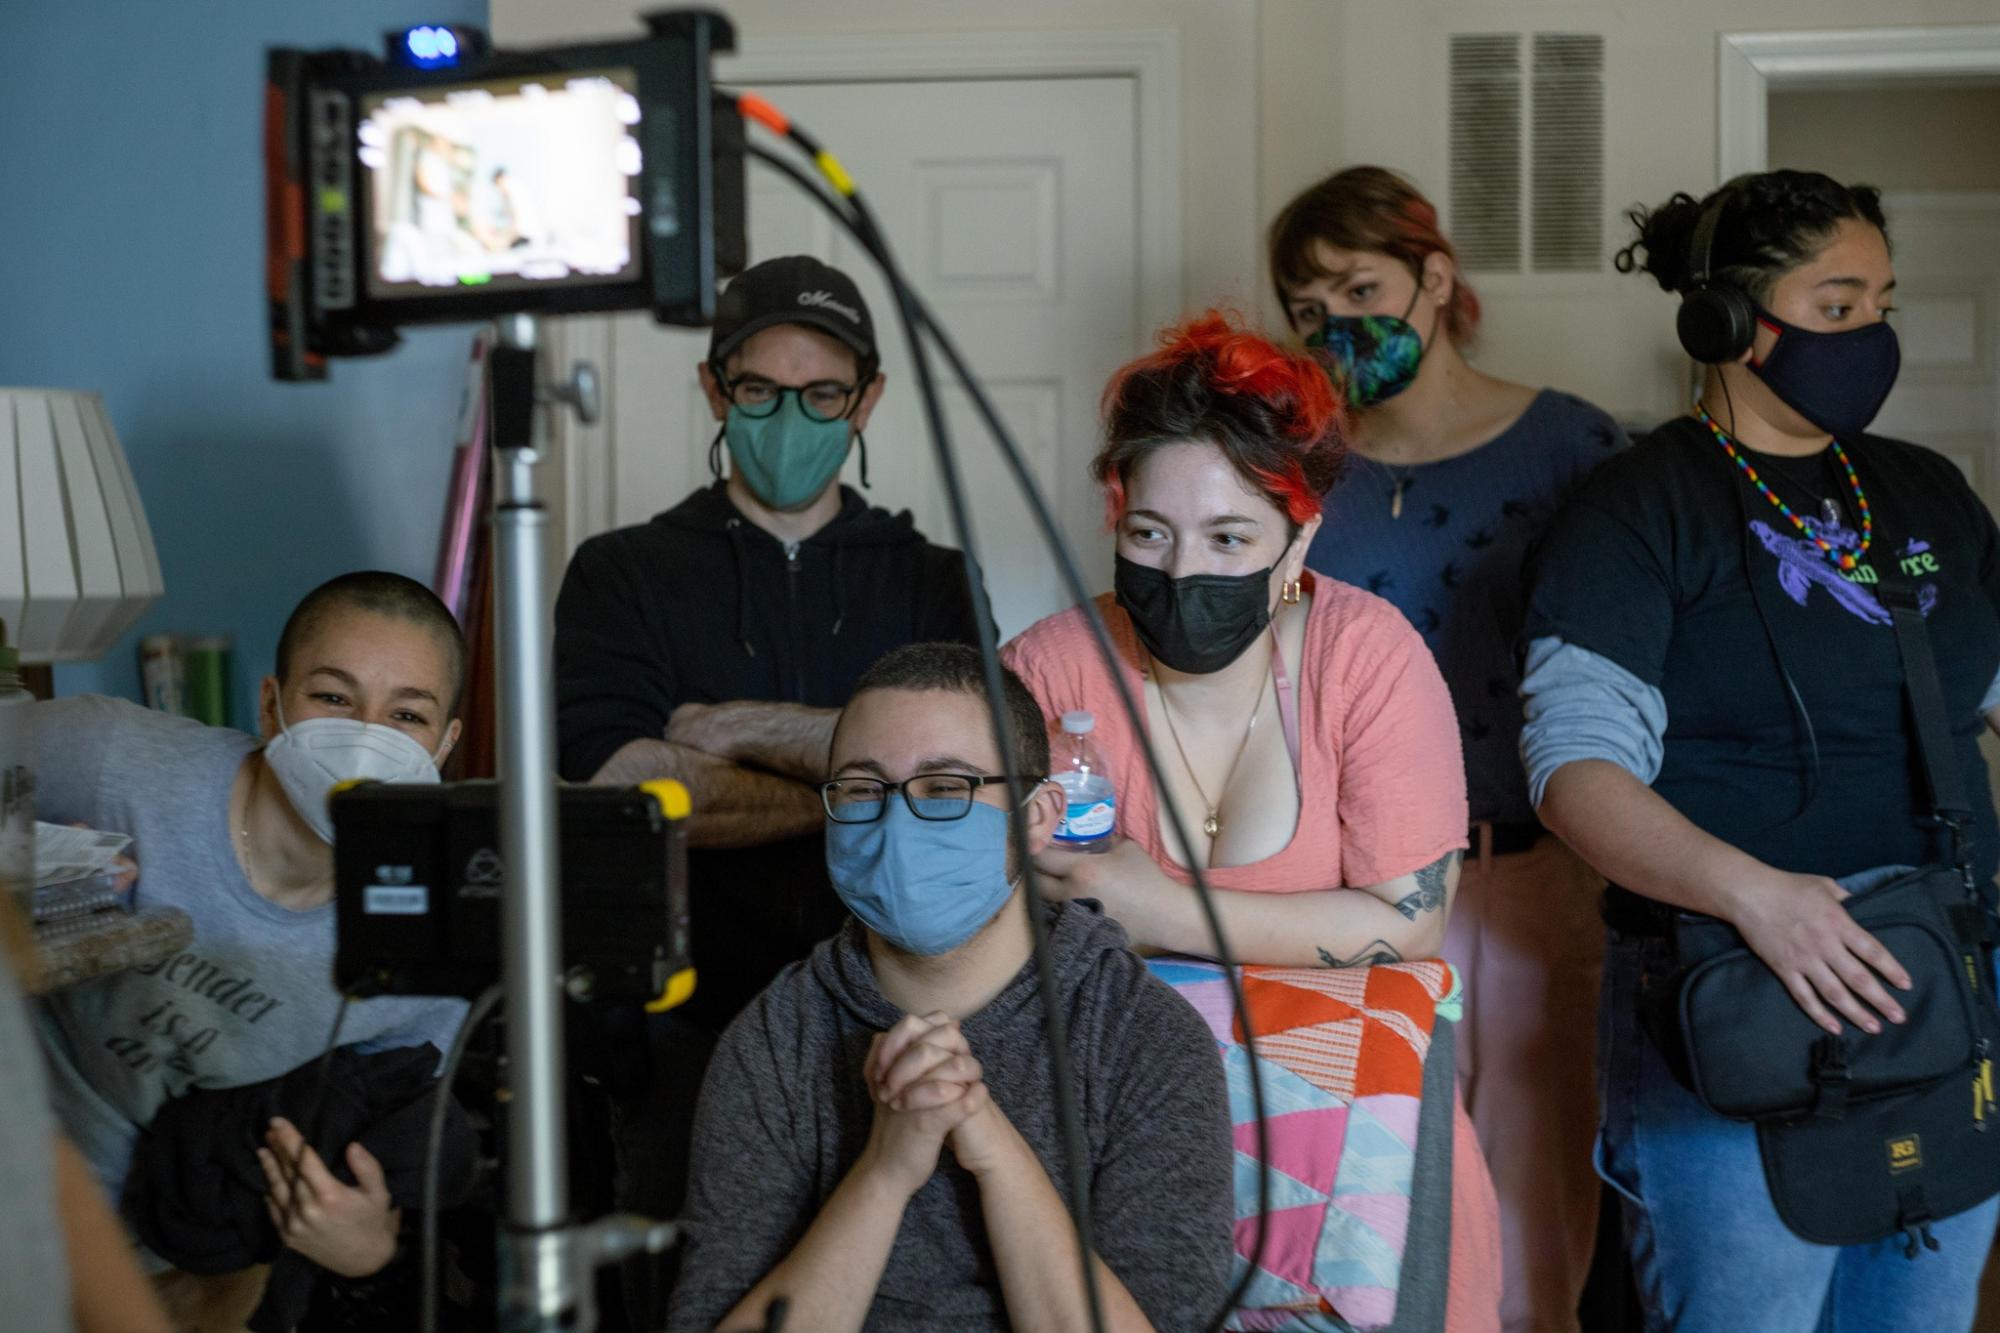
(820, 1176)
(714, 643)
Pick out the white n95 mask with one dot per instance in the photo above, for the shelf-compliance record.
(312, 757)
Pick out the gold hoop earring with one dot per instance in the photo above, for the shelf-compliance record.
(1289, 592)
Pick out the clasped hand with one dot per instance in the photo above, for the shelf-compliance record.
(928, 1090)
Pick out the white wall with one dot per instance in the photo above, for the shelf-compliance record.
(1280, 92)
(1218, 40)
(1607, 336)
(1914, 136)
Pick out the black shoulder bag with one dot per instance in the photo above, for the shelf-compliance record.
(1863, 1137)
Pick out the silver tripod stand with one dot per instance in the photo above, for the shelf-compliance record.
(547, 1262)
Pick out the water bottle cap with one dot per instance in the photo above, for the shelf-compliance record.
(1079, 723)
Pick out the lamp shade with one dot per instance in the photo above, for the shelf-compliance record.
(78, 566)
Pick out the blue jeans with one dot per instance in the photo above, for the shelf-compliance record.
(1705, 1240)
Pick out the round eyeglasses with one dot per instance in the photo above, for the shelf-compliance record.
(822, 400)
(933, 796)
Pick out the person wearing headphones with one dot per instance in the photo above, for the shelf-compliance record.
(1452, 473)
(1700, 592)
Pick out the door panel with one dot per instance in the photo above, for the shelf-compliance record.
(1947, 249)
(1011, 203)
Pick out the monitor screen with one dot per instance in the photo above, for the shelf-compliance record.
(506, 183)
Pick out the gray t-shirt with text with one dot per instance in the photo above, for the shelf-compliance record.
(252, 995)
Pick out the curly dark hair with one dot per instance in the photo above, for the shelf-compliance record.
(1771, 222)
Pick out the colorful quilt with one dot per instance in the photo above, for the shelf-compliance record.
(1342, 1056)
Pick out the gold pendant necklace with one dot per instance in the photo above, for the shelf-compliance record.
(1212, 826)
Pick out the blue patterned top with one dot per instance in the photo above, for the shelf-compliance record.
(1452, 564)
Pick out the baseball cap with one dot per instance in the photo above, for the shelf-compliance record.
(796, 289)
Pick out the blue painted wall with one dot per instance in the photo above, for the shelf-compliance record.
(131, 252)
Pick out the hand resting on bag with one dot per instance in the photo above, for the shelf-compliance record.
(1796, 924)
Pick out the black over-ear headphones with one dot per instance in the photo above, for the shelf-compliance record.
(1715, 323)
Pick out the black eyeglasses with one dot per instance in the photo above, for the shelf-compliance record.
(823, 400)
(933, 796)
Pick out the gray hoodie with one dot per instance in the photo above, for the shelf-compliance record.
(784, 1114)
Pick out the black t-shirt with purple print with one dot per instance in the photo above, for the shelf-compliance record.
(1652, 564)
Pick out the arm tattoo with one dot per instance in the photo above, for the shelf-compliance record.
(1429, 896)
(1371, 955)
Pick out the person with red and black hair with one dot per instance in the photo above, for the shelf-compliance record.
(1456, 473)
(1302, 727)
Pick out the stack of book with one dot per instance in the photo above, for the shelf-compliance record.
(85, 921)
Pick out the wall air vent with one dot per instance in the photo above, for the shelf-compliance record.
(1486, 149)
(1527, 151)
(1566, 197)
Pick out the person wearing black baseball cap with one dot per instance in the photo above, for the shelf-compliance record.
(790, 417)
(716, 643)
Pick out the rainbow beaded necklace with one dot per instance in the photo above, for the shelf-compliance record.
(1844, 560)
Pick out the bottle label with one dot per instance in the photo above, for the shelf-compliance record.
(1087, 821)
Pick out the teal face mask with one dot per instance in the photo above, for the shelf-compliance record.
(788, 457)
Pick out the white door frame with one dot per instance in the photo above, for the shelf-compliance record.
(1750, 64)
(584, 482)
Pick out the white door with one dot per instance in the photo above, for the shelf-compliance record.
(1012, 205)
(1947, 252)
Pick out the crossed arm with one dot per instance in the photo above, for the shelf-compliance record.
(748, 767)
(1360, 926)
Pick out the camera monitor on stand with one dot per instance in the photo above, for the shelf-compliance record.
(582, 178)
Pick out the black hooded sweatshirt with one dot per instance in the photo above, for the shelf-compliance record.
(700, 605)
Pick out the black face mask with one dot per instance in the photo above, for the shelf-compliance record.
(1837, 381)
(1197, 624)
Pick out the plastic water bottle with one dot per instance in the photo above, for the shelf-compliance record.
(1077, 766)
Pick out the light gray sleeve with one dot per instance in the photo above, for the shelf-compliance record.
(1992, 699)
(73, 739)
(1580, 705)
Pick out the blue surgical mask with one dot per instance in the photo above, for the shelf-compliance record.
(924, 885)
(788, 457)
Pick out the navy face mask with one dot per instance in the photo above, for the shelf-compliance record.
(1837, 381)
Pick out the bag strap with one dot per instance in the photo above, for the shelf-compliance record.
(1944, 784)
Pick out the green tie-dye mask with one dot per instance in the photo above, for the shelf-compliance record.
(1371, 357)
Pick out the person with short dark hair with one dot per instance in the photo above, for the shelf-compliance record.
(1451, 474)
(236, 832)
(1716, 721)
(713, 645)
(877, 1142)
